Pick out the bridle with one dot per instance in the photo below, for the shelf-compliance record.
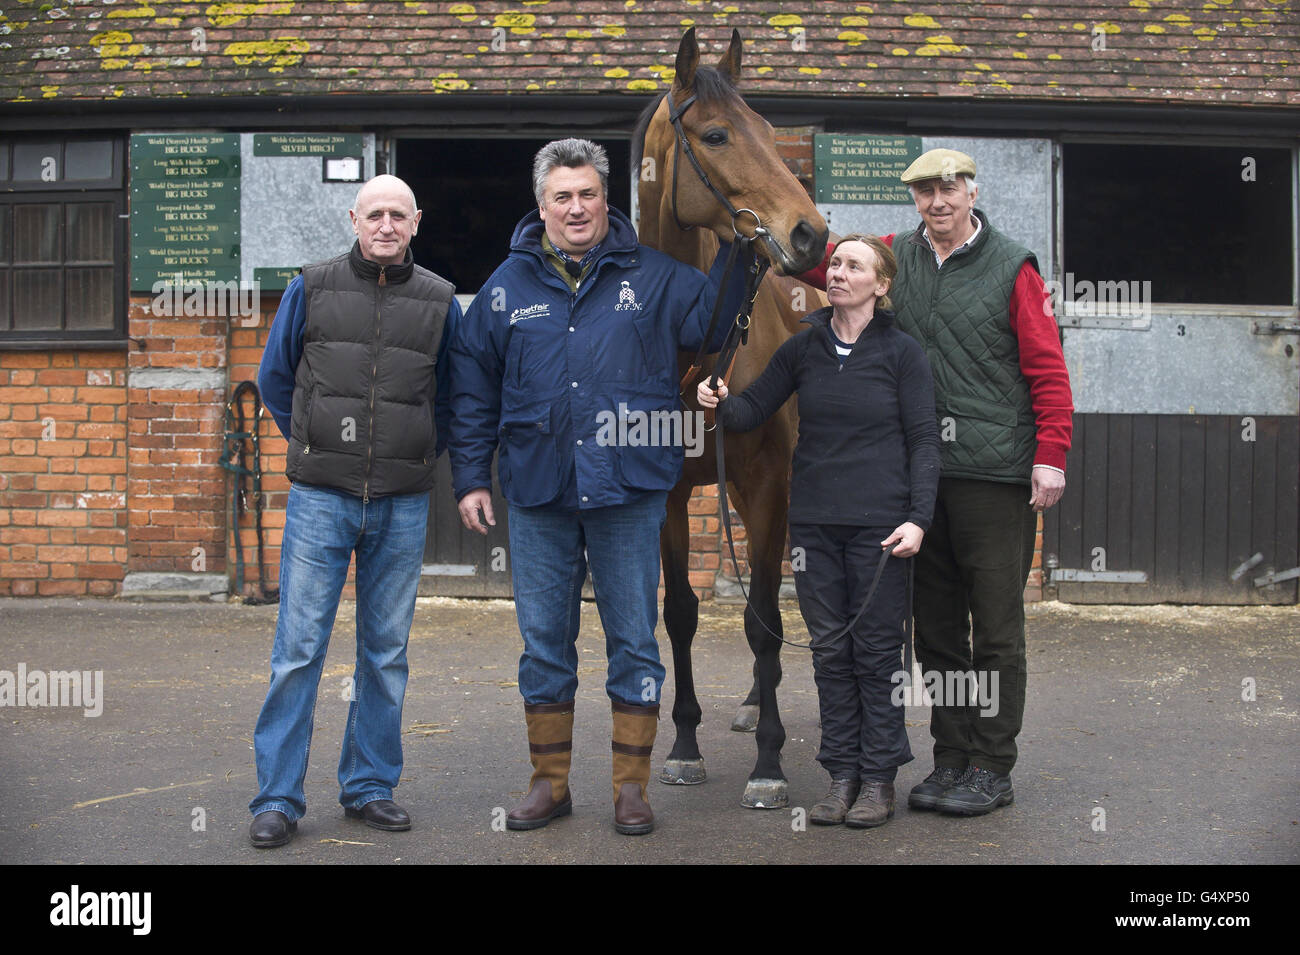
(736, 337)
(739, 333)
(683, 145)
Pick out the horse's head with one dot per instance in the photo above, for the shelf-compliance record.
(741, 184)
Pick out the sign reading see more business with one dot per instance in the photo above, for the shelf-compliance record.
(862, 169)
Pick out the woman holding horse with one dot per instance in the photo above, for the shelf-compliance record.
(866, 470)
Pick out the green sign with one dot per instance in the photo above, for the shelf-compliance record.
(307, 144)
(184, 208)
(863, 168)
(274, 280)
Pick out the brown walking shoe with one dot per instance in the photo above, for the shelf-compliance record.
(874, 806)
(835, 805)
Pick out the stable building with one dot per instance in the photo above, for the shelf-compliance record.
(165, 169)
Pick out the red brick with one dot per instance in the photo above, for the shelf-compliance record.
(60, 482)
(61, 518)
(52, 588)
(61, 376)
(101, 466)
(24, 359)
(100, 571)
(51, 553)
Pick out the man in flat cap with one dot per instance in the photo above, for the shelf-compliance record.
(976, 302)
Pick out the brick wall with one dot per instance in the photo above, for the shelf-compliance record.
(63, 437)
(175, 491)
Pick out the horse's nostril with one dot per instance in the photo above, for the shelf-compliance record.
(804, 238)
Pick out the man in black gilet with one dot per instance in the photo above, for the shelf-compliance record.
(353, 374)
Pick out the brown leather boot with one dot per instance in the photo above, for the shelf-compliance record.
(550, 748)
(634, 740)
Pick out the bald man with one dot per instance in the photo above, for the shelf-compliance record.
(353, 374)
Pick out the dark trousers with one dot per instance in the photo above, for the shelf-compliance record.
(863, 733)
(970, 615)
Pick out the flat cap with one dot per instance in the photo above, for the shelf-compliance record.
(940, 164)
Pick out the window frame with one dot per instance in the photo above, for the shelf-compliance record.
(1070, 316)
(112, 190)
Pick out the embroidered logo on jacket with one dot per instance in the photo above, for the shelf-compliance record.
(532, 311)
(627, 300)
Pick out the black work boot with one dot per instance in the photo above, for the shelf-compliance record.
(925, 794)
(978, 791)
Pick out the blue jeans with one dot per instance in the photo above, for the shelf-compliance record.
(322, 528)
(548, 567)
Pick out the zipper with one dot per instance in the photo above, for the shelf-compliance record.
(374, 367)
(307, 446)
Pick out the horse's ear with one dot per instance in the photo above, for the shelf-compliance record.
(688, 58)
(730, 62)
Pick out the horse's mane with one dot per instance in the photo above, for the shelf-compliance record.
(711, 86)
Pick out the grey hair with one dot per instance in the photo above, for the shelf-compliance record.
(971, 186)
(573, 153)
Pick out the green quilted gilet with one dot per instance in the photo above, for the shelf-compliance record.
(960, 316)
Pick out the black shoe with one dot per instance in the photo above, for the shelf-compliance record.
(381, 814)
(924, 795)
(978, 791)
(271, 828)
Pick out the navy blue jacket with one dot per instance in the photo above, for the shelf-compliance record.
(538, 369)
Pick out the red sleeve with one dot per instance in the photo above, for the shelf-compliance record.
(817, 277)
(1043, 365)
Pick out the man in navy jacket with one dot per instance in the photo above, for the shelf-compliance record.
(566, 364)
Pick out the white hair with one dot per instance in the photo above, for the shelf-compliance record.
(971, 186)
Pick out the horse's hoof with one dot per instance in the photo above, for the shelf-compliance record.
(682, 772)
(766, 794)
(745, 720)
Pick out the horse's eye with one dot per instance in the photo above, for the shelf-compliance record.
(715, 137)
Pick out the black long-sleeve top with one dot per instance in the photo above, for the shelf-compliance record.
(868, 449)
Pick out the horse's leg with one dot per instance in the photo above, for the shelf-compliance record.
(763, 507)
(684, 765)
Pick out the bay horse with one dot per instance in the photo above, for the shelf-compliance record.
(681, 215)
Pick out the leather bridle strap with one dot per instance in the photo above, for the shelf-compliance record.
(683, 145)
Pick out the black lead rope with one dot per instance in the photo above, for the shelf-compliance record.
(866, 602)
(237, 432)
